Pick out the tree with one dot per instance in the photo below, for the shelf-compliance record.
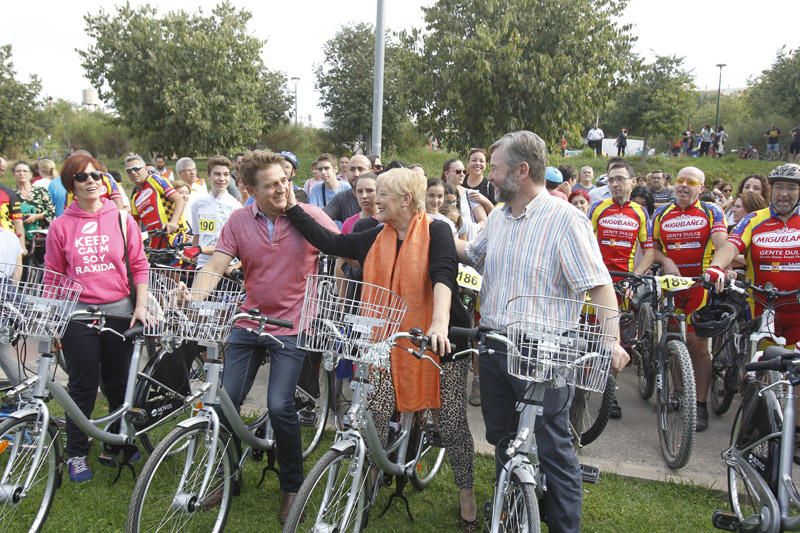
(486, 67)
(185, 83)
(344, 80)
(777, 90)
(657, 101)
(19, 104)
(72, 128)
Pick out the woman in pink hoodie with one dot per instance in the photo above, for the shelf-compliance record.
(87, 244)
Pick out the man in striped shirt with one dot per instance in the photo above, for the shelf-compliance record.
(535, 245)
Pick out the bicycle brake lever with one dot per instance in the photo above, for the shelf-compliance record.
(429, 358)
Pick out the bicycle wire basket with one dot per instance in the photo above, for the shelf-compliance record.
(37, 303)
(353, 319)
(187, 313)
(561, 340)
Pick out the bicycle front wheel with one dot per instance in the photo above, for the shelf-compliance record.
(429, 454)
(312, 409)
(676, 405)
(167, 493)
(332, 497)
(18, 441)
(520, 511)
(590, 411)
(645, 348)
(724, 370)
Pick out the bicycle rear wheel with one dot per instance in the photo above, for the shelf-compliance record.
(166, 495)
(18, 441)
(429, 453)
(645, 348)
(589, 412)
(520, 511)
(332, 497)
(676, 405)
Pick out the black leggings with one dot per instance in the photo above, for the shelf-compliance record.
(90, 357)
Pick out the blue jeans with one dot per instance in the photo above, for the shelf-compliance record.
(242, 360)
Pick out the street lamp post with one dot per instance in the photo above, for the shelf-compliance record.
(295, 79)
(719, 90)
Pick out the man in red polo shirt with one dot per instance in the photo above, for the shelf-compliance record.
(276, 260)
(686, 232)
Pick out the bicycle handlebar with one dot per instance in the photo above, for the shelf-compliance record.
(93, 312)
(775, 358)
(255, 314)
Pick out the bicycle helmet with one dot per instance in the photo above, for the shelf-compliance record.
(788, 172)
(291, 158)
(713, 320)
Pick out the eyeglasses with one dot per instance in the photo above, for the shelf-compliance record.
(377, 167)
(133, 170)
(617, 179)
(727, 190)
(84, 176)
(691, 182)
(459, 171)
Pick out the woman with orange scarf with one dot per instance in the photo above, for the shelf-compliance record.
(415, 257)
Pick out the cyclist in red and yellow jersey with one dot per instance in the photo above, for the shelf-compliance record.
(770, 240)
(11, 214)
(685, 233)
(154, 203)
(622, 226)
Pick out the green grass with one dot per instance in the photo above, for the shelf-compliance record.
(615, 504)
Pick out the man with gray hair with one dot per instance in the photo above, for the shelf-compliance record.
(186, 169)
(535, 244)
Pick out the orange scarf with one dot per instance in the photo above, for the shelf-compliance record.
(406, 272)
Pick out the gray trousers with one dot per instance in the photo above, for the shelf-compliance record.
(562, 504)
(9, 364)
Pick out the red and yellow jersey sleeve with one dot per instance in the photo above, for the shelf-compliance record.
(619, 229)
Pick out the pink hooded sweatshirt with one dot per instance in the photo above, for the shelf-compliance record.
(87, 247)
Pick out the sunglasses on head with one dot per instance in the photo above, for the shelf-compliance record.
(131, 170)
(84, 176)
(691, 182)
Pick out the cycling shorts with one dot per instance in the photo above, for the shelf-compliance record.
(689, 301)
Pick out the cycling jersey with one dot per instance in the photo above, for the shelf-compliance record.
(618, 229)
(10, 208)
(108, 190)
(684, 235)
(150, 207)
(772, 250)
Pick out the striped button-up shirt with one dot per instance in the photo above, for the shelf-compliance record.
(549, 250)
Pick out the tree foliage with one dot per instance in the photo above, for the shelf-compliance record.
(486, 67)
(19, 103)
(657, 101)
(345, 82)
(71, 128)
(777, 90)
(186, 83)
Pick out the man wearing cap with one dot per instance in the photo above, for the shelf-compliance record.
(345, 203)
(553, 178)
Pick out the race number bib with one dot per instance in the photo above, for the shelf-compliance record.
(208, 225)
(469, 278)
(671, 283)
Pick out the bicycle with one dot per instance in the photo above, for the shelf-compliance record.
(193, 473)
(31, 459)
(664, 365)
(359, 322)
(759, 460)
(546, 346)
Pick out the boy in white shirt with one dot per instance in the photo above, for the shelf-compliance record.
(211, 212)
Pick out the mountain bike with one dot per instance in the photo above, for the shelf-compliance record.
(759, 461)
(663, 362)
(359, 322)
(30, 443)
(547, 345)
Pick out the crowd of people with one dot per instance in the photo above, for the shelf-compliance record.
(526, 227)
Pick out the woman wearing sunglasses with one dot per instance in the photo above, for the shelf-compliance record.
(453, 172)
(97, 245)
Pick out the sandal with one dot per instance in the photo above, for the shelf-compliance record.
(469, 526)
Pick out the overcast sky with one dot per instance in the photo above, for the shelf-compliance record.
(743, 34)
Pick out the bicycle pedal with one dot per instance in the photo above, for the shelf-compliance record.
(725, 520)
(136, 415)
(307, 418)
(590, 474)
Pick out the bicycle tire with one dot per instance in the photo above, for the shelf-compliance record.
(520, 507)
(323, 497)
(30, 513)
(590, 417)
(157, 402)
(308, 404)
(429, 454)
(168, 460)
(676, 405)
(645, 348)
(725, 372)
